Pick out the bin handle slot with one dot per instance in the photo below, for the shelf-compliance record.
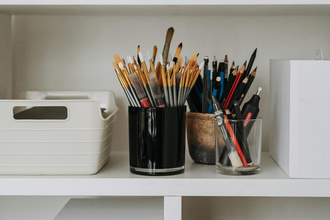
(40, 113)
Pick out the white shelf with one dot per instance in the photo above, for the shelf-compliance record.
(115, 179)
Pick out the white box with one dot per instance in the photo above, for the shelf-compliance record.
(299, 132)
(77, 144)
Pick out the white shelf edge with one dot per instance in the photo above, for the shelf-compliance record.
(165, 187)
(198, 180)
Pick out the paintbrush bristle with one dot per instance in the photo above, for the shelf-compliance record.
(138, 49)
(235, 159)
(154, 53)
(178, 51)
(117, 58)
(169, 35)
(193, 56)
(226, 58)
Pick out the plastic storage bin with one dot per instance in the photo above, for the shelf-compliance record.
(76, 142)
(299, 131)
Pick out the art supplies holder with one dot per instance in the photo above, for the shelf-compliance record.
(252, 140)
(200, 136)
(157, 140)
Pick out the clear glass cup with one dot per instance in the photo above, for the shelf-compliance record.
(246, 137)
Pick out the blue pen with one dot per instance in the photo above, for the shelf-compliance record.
(215, 93)
(222, 75)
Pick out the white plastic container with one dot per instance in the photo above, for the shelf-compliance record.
(77, 144)
(300, 134)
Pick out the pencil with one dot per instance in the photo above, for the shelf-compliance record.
(233, 88)
(248, 85)
(238, 93)
(252, 58)
(228, 86)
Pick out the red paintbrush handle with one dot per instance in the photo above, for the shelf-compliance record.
(233, 137)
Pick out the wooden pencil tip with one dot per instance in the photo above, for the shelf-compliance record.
(233, 63)
(237, 68)
(244, 64)
(255, 70)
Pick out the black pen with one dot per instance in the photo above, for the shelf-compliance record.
(205, 103)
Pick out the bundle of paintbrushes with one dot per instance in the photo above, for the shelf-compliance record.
(166, 85)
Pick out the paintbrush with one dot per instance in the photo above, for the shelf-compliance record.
(141, 93)
(194, 79)
(144, 83)
(164, 81)
(177, 53)
(154, 53)
(137, 55)
(159, 75)
(184, 79)
(151, 64)
(157, 93)
(145, 70)
(124, 85)
(169, 85)
(175, 78)
(167, 44)
(125, 73)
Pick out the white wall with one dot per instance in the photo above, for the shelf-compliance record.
(5, 56)
(75, 52)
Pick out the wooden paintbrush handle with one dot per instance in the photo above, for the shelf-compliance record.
(165, 52)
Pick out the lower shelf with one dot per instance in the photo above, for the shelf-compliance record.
(115, 179)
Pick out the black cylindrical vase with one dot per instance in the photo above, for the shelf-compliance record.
(157, 140)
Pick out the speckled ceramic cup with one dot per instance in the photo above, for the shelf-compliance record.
(200, 135)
